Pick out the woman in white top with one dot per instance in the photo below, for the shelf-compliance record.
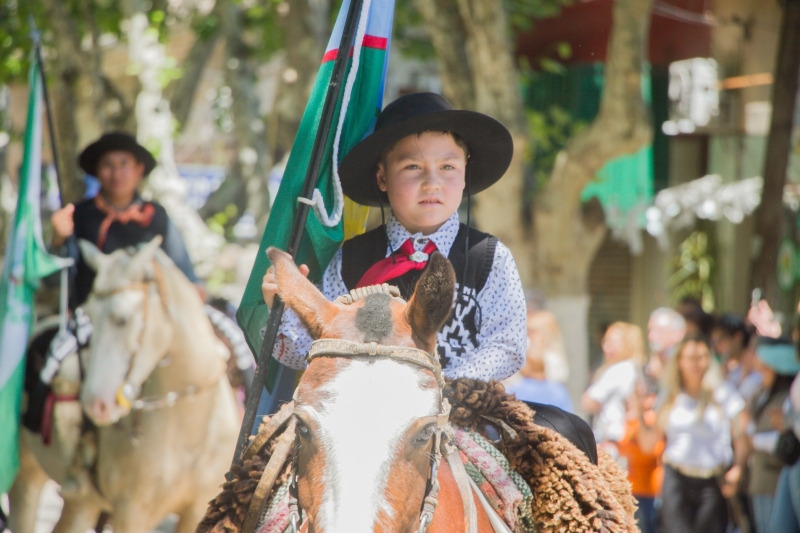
(703, 421)
(606, 397)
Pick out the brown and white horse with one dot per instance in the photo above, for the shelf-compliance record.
(366, 426)
(156, 389)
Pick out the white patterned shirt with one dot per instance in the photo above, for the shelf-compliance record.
(501, 339)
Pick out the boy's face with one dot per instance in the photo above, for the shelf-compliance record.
(423, 175)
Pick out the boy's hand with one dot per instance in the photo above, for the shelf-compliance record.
(269, 284)
(63, 224)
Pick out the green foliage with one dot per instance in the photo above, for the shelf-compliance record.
(692, 270)
(263, 30)
(15, 38)
(550, 130)
(409, 35)
(222, 222)
(88, 17)
(523, 13)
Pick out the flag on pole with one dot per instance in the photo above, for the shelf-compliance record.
(333, 217)
(25, 263)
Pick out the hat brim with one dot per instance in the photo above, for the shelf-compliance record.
(91, 155)
(489, 142)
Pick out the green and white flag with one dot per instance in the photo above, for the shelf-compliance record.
(26, 262)
(334, 217)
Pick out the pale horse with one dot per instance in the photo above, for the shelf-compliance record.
(155, 387)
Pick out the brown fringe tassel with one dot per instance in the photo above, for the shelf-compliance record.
(570, 493)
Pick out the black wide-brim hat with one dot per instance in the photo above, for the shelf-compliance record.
(111, 142)
(489, 143)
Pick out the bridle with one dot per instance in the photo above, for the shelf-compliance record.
(127, 395)
(442, 433)
(442, 436)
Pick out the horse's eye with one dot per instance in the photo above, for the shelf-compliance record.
(302, 429)
(119, 321)
(425, 435)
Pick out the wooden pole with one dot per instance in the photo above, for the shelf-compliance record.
(769, 215)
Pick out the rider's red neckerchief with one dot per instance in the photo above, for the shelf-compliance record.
(140, 213)
(403, 260)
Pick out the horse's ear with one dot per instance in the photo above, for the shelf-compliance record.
(432, 301)
(302, 297)
(138, 265)
(91, 254)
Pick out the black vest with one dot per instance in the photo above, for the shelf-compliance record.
(459, 334)
(87, 218)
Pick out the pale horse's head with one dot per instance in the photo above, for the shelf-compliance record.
(365, 426)
(132, 328)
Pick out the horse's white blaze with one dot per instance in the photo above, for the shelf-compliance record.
(371, 407)
(113, 346)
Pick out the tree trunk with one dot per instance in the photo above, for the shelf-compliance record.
(248, 128)
(181, 92)
(448, 34)
(769, 215)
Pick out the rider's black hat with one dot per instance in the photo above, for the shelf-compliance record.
(110, 142)
(488, 142)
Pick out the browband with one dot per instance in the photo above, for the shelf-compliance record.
(344, 348)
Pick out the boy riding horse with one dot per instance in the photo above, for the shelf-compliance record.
(422, 159)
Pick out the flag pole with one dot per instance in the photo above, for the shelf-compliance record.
(36, 35)
(298, 227)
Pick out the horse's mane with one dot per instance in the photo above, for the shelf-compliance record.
(567, 487)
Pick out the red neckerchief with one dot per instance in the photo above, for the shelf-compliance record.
(403, 260)
(139, 212)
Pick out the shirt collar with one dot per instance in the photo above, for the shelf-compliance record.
(443, 238)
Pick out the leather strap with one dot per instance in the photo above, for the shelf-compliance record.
(343, 348)
(268, 477)
(266, 432)
(462, 480)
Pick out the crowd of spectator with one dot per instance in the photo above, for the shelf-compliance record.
(705, 419)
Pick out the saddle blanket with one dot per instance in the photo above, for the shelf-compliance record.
(505, 490)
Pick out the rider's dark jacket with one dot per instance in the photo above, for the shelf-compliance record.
(151, 220)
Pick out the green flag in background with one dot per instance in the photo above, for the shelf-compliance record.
(25, 262)
(333, 217)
